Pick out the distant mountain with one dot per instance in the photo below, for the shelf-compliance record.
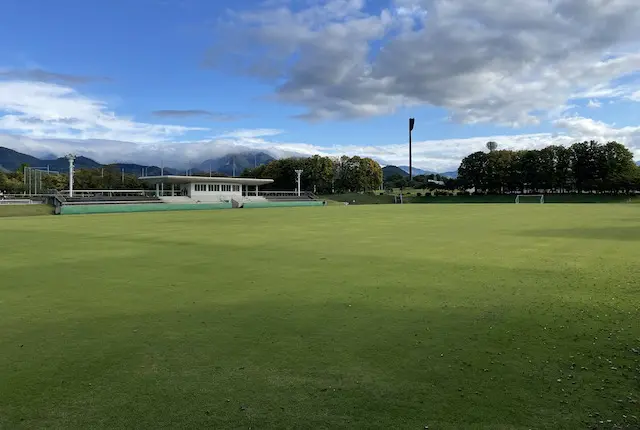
(389, 171)
(417, 171)
(11, 160)
(247, 160)
(637, 163)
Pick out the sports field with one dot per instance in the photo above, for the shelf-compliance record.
(396, 316)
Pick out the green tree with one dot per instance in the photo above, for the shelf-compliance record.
(473, 171)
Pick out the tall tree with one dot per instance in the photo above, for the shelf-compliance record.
(473, 171)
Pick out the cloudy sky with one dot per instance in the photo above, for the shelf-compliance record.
(184, 80)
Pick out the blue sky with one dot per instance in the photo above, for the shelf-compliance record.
(188, 79)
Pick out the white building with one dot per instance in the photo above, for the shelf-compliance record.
(205, 189)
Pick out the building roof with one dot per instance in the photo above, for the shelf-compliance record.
(173, 179)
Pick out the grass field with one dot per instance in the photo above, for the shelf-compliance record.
(396, 316)
(24, 210)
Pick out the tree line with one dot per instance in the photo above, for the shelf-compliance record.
(104, 178)
(582, 167)
(322, 175)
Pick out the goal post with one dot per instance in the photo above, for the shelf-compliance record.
(530, 198)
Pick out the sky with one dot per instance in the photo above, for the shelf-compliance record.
(180, 81)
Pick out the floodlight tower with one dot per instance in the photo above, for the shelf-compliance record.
(299, 173)
(412, 122)
(72, 159)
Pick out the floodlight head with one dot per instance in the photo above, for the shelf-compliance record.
(70, 157)
(299, 171)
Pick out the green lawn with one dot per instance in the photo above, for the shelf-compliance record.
(387, 316)
(24, 210)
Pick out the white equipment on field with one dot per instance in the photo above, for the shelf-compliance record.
(536, 198)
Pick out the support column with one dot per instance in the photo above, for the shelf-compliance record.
(256, 190)
(157, 189)
(173, 191)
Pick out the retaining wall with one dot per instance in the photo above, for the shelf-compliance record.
(143, 207)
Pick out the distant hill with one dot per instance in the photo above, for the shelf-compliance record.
(404, 171)
(389, 171)
(242, 161)
(416, 171)
(11, 160)
(637, 163)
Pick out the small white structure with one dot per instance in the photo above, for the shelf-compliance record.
(298, 180)
(72, 159)
(172, 188)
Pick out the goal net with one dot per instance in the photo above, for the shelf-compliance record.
(530, 198)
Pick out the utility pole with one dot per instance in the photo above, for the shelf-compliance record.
(411, 124)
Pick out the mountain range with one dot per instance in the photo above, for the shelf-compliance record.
(230, 164)
(404, 171)
(11, 160)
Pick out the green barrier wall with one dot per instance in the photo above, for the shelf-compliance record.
(145, 207)
(282, 204)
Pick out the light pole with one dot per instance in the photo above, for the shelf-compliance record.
(411, 123)
(72, 159)
(298, 172)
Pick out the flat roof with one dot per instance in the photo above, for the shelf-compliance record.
(174, 179)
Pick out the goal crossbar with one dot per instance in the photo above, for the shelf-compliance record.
(540, 197)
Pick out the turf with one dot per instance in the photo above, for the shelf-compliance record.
(397, 316)
(25, 210)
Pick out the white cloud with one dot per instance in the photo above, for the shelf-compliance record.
(250, 133)
(594, 104)
(438, 155)
(485, 61)
(45, 110)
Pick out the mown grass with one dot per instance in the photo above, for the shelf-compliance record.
(24, 210)
(397, 316)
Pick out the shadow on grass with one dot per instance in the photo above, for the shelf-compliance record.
(622, 233)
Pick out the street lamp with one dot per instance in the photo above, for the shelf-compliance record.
(72, 159)
(299, 172)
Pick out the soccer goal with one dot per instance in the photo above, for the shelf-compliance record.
(530, 198)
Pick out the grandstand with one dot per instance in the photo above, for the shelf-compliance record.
(181, 193)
